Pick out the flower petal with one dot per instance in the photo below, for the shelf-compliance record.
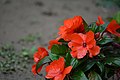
(73, 44)
(72, 25)
(90, 36)
(55, 68)
(94, 51)
(91, 43)
(112, 27)
(76, 38)
(100, 21)
(81, 53)
(52, 71)
(67, 70)
(52, 42)
(40, 54)
(73, 54)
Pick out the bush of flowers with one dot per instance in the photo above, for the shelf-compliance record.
(81, 51)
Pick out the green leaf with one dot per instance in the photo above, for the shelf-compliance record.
(117, 17)
(59, 49)
(117, 39)
(42, 61)
(68, 59)
(88, 65)
(101, 66)
(94, 76)
(85, 25)
(115, 61)
(74, 62)
(109, 72)
(102, 28)
(93, 27)
(105, 40)
(53, 56)
(55, 49)
(79, 75)
(63, 41)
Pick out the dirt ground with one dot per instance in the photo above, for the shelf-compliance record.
(18, 18)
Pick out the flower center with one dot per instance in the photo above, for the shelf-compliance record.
(84, 44)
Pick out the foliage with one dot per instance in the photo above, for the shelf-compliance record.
(82, 51)
(10, 61)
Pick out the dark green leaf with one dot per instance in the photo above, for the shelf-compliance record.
(74, 62)
(68, 59)
(88, 65)
(94, 76)
(85, 25)
(101, 66)
(102, 28)
(115, 61)
(43, 61)
(109, 72)
(79, 75)
(93, 27)
(55, 49)
(59, 49)
(61, 40)
(105, 40)
(53, 56)
(101, 55)
(117, 39)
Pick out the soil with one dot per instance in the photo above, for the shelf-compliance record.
(18, 18)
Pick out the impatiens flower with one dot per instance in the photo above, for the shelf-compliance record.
(112, 27)
(81, 44)
(40, 54)
(56, 70)
(99, 21)
(52, 42)
(72, 25)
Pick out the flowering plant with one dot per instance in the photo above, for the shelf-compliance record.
(81, 51)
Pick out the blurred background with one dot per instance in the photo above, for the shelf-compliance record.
(28, 24)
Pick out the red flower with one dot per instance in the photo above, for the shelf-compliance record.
(52, 42)
(56, 70)
(72, 25)
(40, 54)
(112, 27)
(82, 44)
(100, 21)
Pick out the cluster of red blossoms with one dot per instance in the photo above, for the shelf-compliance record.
(80, 42)
(56, 70)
